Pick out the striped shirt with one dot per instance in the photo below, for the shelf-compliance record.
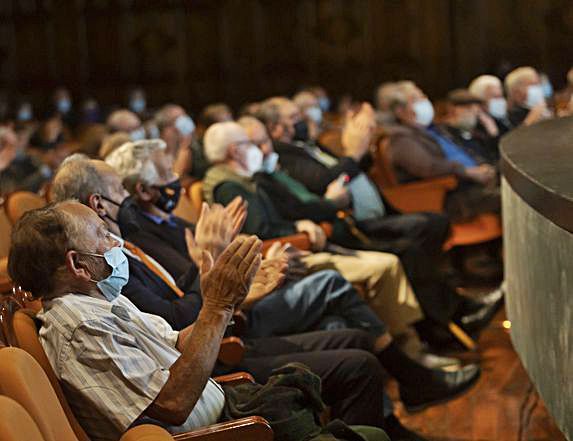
(112, 361)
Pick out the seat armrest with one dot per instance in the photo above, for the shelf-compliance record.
(231, 351)
(147, 432)
(426, 195)
(247, 429)
(235, 379)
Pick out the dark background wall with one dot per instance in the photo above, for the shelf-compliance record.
(198, 51)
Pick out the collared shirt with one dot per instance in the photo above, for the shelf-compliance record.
(112, 361)
(159, 220)
(452, 151)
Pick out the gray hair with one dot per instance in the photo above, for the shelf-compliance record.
(133, 162)
(39, 242)
(77, 178)
(516, 77)
(219, 137)
(269, 111)
(162, 117)
(479, 85)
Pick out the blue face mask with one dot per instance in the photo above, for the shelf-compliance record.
(64, 105)
(137, 105)
(185, 125)
(111, 286)
(324, 103)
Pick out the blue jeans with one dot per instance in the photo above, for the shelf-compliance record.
(307, 304)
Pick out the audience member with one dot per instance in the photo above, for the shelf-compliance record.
(236, 160)
(311, 113)
(489, 89)
(418, 151)
(90, 180)
(527, 104)
(124, 120)
(112, 142)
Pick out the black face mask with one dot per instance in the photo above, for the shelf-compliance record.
(301, 131)
(169, 196)
(126, 216)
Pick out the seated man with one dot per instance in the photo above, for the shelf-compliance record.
(489, 90)
(230, 149)
(525, 97)
(339, 358)
(146, 171)
(117, 364)
(460, 126)
(417, 151)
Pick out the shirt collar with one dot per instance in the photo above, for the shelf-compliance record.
(159, 220)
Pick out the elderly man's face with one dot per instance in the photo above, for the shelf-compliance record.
(259, 136)
(94, 238)
(116, 193)
(464, 117)
(492, 91)
(289, 116)
(520, 92)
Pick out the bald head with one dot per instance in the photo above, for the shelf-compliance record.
(123, 120)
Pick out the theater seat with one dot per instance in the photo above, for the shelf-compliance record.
(19, 202)
(429, 195)
(16, 424)
(23, 378)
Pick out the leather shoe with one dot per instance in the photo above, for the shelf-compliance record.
(444, 386)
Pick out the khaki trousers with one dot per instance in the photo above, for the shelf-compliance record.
(380, 279)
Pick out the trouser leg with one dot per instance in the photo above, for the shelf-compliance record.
(381, 280)
(300, 306)
(352, 379)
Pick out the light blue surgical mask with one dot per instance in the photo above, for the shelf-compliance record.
(137, 105)
(315, 114)
(111, 286)
(424, 111)
(25, 113)
(137, 134)
(534, 96)
(64, 105)
(185, 125)
(270, 162)
(324, 103)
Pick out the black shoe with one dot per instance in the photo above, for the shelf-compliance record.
(397, 432)
(480, 314)
(445, 386)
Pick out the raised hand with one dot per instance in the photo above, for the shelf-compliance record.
(225, 281)
(269, 277)
(237, 212)
(215, 229)
(357, 132)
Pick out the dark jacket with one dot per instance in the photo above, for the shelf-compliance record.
(312, 173)
(150, 294)
(516, 115)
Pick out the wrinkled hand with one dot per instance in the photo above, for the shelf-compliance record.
(315, 233)
(338, 194)
(270, 276)
(357, 132)
(296, 267)
(215, 229)
(226, 281)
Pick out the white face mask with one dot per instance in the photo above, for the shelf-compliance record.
(252, 160)
(315, 114)
(424, 112)
(137, 134)
(185, 125)
(534, 96)
(270, 162)
(497, 107)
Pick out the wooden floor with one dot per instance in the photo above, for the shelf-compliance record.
(502, 406)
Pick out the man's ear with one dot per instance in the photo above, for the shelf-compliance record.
(95, 203)
(143, 192)
(73, 266)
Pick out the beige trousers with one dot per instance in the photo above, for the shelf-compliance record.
(380, 279)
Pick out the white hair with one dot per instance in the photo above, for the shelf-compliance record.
(516, 77)
(570, 76)
(133, 161)
(480, 84)
(219, 137)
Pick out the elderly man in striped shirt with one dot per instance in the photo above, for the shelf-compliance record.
(117, 364)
